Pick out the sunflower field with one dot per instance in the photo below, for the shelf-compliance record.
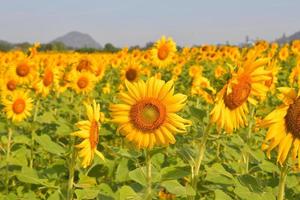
(205, 122)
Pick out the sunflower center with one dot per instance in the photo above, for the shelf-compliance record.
(18, 106)
(163, 52)
(48, 78)
(94, 134)
(84, 65)
(148, 114)
(292, 118)
(11, 85)
(238, 96)
(22, 69)
(131, 74)
(82, 82)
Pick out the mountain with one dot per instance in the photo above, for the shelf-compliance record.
(285, 39)
(78, 40)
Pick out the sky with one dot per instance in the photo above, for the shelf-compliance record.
(136, 22)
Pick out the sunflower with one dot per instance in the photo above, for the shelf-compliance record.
(284, 129)
(195, 70)
(47, 82)
(147, 116)
(86, 64)
(230, 110)
(219, 71)
(17, 106)
(163, 194)
(163, 51)
(24, 71)
(283, 53)
(83, 82)
(8, 83)
(89, 131)
(201, 86)
(131, 71)
(274, 69)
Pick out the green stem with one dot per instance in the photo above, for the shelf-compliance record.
(148, 176)
(71, 170)
(32, 131)
(201, 152)
(7, 158)
(281, 186)
(248, 137)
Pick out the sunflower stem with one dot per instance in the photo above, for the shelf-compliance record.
(281, 186)
(148, 176)
(201, 152)
(248, 137)
(32, 131)
(71, 170)
(7, 159)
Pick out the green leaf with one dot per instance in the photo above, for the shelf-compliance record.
(197, 113)
(63, 129)
(174, 187)
(217, 168)
(220, 195)
(169, 173)
(48, 145)
(244, 193)
(126, 193)
(217, 174)
(250, 182)
(292, 181)
(46, 117)
(268, 166)
(157, 159)
(122, 171)
(87, 193)
(269, 194)
(54, 196)
(86, 181)
(138, 175)
(257, 154)
(29, 175)
(106, 191)
(21, 139)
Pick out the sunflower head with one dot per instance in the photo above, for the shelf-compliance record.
(147, 116)
(89, 132)
(48, 80)
(23, 70)
(163, 51)
(82, 82)
(247, 84)
(131, 71)
(17, 105)
(283, 127)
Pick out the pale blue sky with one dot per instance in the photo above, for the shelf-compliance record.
(129, 22)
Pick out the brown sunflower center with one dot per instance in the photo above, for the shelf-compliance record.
(11, 85)
(48, 78)
(292, 118)
(131, 74)
(238, 96)
(84, 65)
(18, 106)
(163, 52)
(148, 114)
(82, 82)
(22, 69)
(94, 137)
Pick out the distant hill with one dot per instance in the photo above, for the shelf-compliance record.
(287, 39)
(78, 40)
